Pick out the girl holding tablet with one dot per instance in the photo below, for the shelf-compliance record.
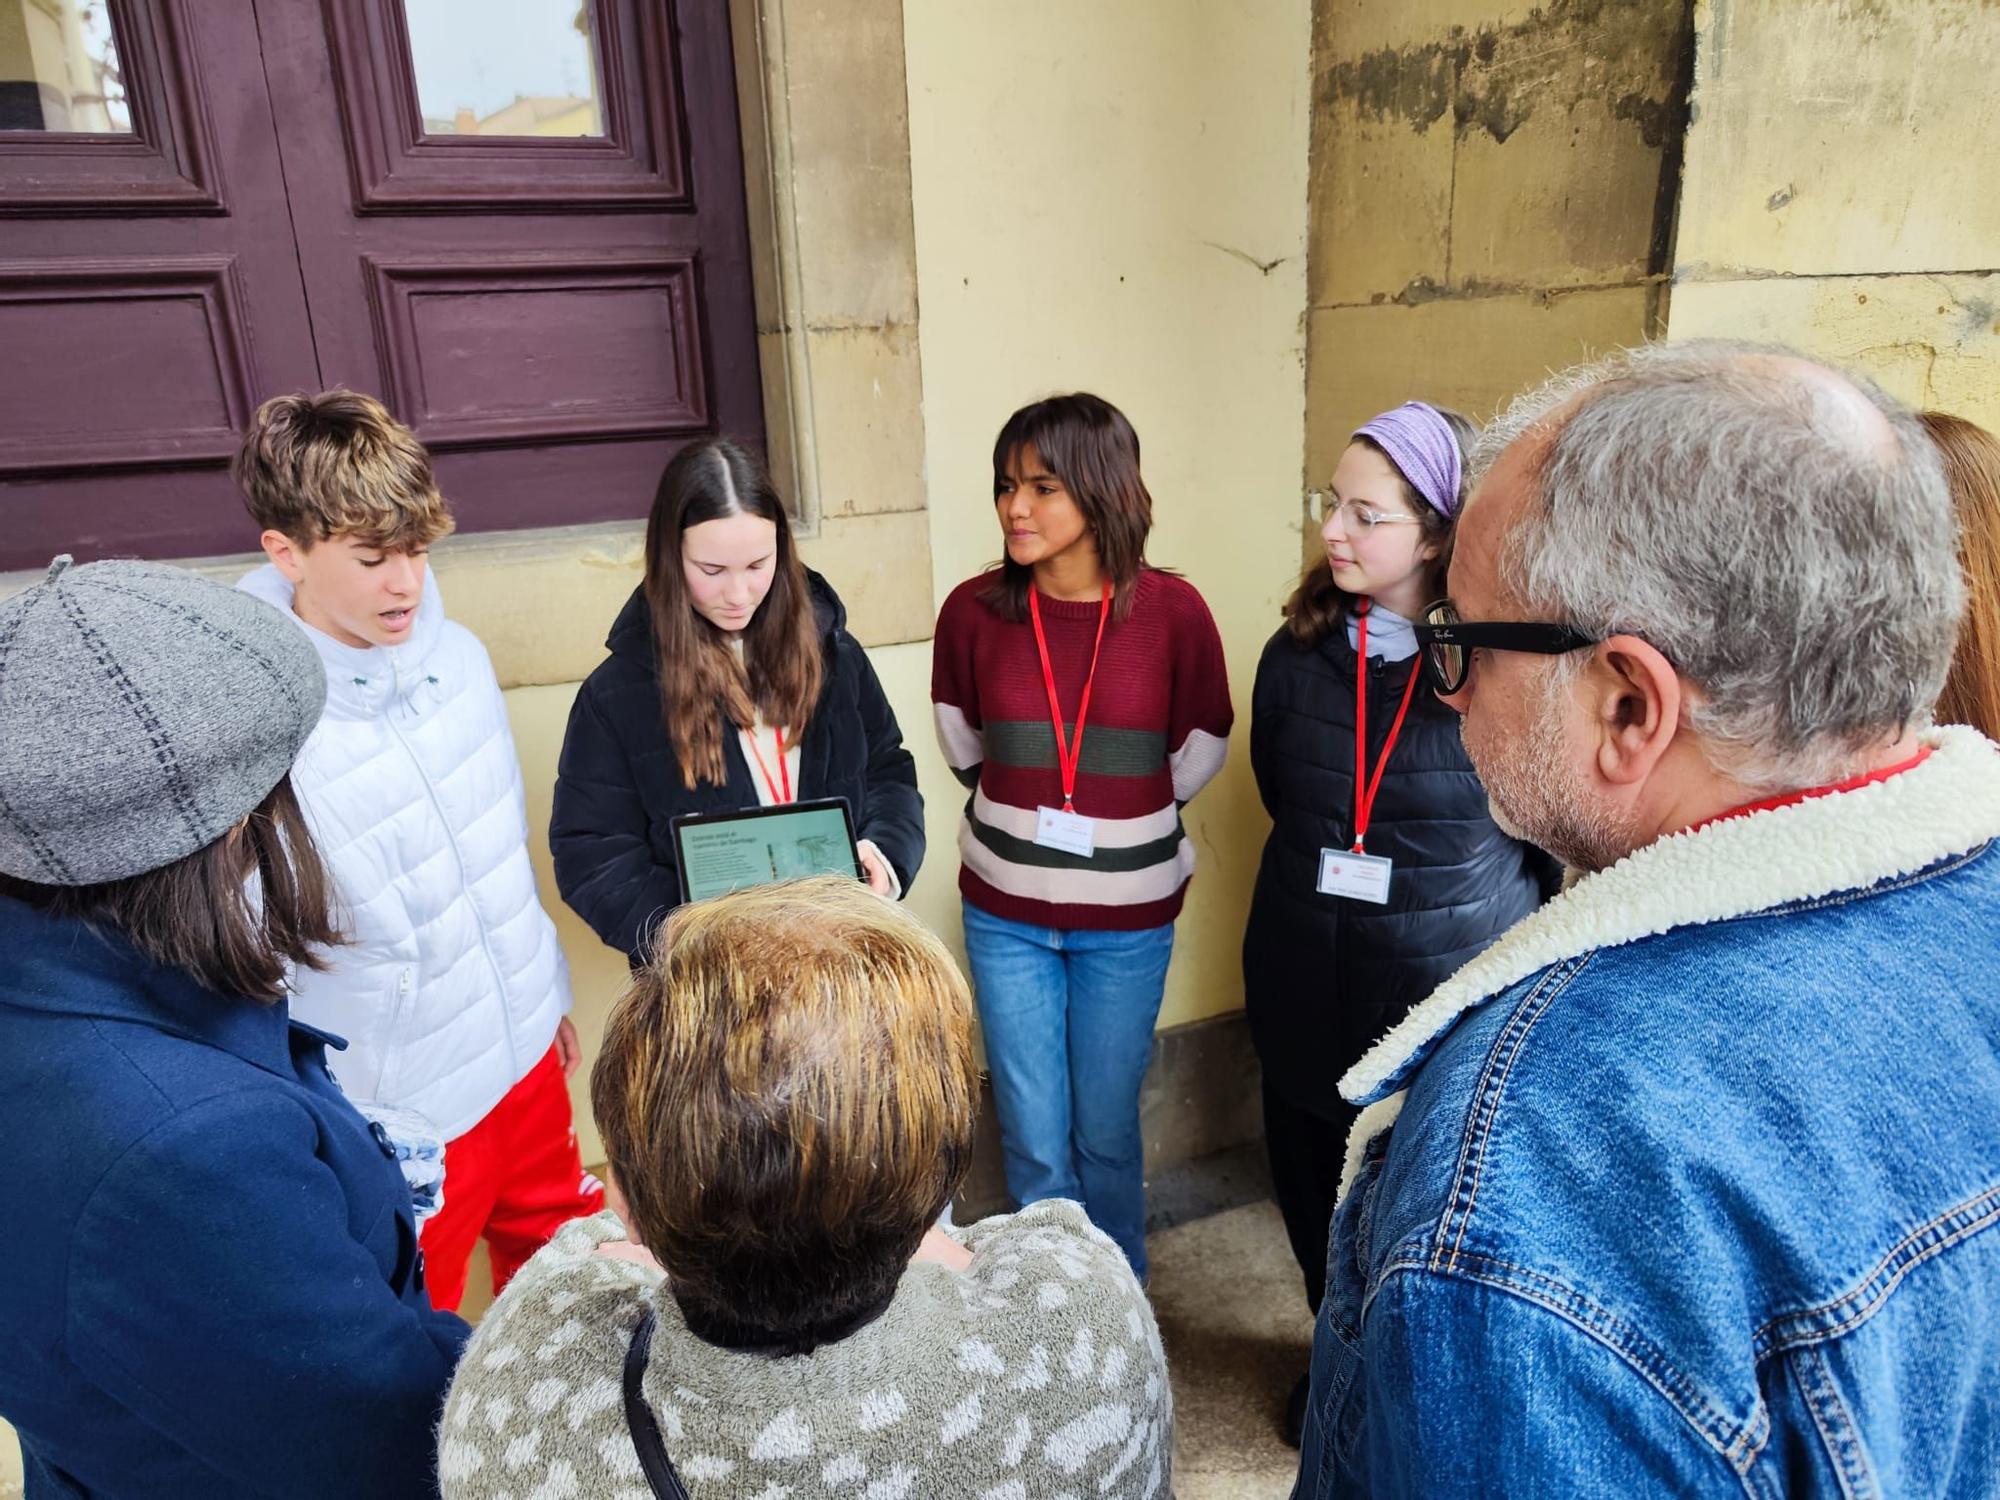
(732, 683)
(1082, 696)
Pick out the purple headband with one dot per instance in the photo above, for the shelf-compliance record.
(1421, 444)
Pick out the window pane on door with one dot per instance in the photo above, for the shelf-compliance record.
(505, 67)
(59, 68)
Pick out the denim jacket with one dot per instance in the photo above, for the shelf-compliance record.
(1690, 1185)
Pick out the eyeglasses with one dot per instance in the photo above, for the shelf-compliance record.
(1357, 517)
(1447, 642)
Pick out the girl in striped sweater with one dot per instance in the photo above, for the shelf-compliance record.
(1082, 696)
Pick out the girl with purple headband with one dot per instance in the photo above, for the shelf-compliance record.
(1384, 871)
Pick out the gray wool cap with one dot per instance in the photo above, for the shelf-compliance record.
(143, 711)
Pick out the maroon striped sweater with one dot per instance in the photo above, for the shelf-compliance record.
(1157, 732)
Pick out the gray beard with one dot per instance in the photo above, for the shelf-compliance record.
(1533, 798)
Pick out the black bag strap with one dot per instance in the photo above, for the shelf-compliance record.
(644, 1425)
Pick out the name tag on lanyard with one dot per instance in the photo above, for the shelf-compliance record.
(1353, 873)
(1070, 832)
(1063, 828)
(1358, 877)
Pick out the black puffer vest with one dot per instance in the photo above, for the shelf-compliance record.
(1324, 976)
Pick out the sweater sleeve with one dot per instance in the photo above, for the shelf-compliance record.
(606, 866)
(955, 688)
(1200, 715)
(216, 1291)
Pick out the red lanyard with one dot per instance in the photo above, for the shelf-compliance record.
(1068, 755)
(1366, 787)
(1788, 799)
(781, 789)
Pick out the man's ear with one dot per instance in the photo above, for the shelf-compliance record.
(284, 554)
(1634, 696)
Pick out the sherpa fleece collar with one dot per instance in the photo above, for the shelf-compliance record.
(1841, 842)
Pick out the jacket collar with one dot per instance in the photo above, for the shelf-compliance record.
(1846, 841)
(62, 966)
(362, 682)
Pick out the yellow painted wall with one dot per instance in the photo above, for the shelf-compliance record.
(1839, 190)
(1111, 197)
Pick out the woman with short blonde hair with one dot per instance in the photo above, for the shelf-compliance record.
(787, 1095)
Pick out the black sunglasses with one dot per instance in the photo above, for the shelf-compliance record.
(1448, 641)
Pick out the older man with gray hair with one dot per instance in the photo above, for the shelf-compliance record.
(1690, 1185)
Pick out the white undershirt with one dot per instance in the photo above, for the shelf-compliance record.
(762, 739)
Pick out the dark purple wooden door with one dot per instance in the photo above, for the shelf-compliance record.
(149, 279)
(553, 312)
(521, 222)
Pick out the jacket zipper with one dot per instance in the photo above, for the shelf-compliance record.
(399, 1009)
(458, 858)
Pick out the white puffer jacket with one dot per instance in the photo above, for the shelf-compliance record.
(453, 982)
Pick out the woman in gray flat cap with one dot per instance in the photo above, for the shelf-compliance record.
(212, 1285)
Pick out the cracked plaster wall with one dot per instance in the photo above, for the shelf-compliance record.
(1839, 190)
(1492, 192)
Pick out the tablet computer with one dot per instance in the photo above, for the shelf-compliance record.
(721, 852)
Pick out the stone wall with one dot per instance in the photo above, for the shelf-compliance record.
(1492, 196)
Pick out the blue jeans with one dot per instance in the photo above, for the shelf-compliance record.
(1068, 1018)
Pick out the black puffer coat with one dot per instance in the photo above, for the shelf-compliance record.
(1324, 976)
(619, 788)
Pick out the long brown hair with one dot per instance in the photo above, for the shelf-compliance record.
(779, 674)
(199, 914)
(1319, 605)
(1972, 471)
(1088, 444)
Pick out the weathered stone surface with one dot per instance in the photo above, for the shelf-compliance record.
(1469, 150)
(1841, 138)
(1471, 354)
(1932, 340)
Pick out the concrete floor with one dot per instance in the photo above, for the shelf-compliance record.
(1233, 1316)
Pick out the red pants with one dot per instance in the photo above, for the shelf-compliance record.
(515, 1178)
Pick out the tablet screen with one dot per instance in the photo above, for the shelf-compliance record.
(780, 843)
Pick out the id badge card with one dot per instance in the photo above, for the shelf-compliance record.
(1358, 877)
(1070, 832)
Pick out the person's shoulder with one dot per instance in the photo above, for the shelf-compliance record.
(179, 1111)
(458, 647)
(541, 1371)
(1285, 654)
(565, 1282)
(1170, 597)
(966, 606)
(1172, 591)
(620, 674)
(1064, 1267)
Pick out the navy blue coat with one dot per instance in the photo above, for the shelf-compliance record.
(619, 787)
(212, 1283)
(1324, 976)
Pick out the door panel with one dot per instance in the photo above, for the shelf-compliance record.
(467, 353)
(578, 303)
(149, 296)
